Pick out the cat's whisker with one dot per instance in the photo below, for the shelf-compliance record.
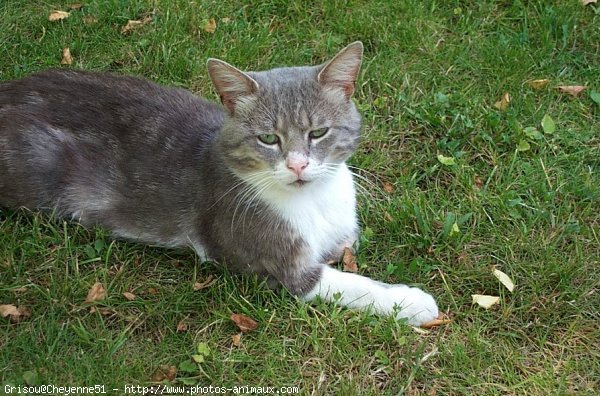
(249, 179)
(247, 193)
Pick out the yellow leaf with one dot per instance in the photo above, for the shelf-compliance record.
(210, 26)
(133, 24)
(504, 279)
(572, 90)
(67, 59)
(502, 104)
(236, 339)
(586, 2)
(485, 301)
(96, 293)
(58, 15)
(538, 84)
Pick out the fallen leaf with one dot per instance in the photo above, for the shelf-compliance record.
(538, 84)
(76, 6)
(349, 261)
(152, 291)
(586, 2)
(15, 314)
(203, 285)
(502, 104)
(133, 24)
(387, 216)
(20, 289)
(244, 323)
(182, 325)
(388, 187)
(129, 296)
(533, 133)
(504, 279)
(66, 57)
(225, 20)
(57, 15)
(573, 90)
(101, 311)
(442, 319)
(448, 161)
(164, 372)
(96, 293)
(478, 182)
(548, 125)
(210, 26)
(236, 339)
(485, 301)
(88, 19)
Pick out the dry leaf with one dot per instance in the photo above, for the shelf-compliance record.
(485, 301)
(57, 15)
(96, 293)
(244, 323)
(182, 325)
(387, 216)
(572, 90)
(66, 57)
(478, 182)
(236, 339)
(20, 289)
(88, 19)
(538, 84)
(388, 187)
(502, 104)
(101, 311)
(210, 26)
(152, 291)
(129, 296)
(76, 6)
(133, 24)
(504, 279)
(164, 372)
(225, 20)
(203, 285)
(586, 2)
(442, 319)
(349, 261)
(15, 314)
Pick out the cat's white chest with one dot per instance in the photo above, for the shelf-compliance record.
(324, 215)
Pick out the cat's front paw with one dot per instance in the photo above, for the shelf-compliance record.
(411, 303)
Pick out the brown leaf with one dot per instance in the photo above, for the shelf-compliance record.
(21, 289)
(88, 19)
(586, 2)
(502, 104)
(478, 182)
(96, 293)
(572, 90)
(134, 24)
(57, 15)
(66, 57)
(164, 372)
(129, 296)
(244, 323)
(152, 291)
(102, 311)
(15, 314)
(236, 339)
(182, 325)
(442, 319)
(538, 84)
(349, 261)
(210, 26)
(76, 6)
(388, 187)
(203, 285)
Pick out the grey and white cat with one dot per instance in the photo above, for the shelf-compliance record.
(259, 184)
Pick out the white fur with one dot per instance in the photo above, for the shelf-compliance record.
(357, 291)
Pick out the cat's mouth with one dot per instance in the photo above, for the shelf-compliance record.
(299, 183)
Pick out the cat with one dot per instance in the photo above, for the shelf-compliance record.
(258, 184)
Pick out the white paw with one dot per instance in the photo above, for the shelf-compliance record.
(411, 303)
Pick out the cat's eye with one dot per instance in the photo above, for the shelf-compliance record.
(269, 138)
(317, 133)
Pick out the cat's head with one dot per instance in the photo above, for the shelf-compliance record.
(289, 127)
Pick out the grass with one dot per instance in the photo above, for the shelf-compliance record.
(432, 73)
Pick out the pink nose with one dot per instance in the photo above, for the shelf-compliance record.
(297, 165)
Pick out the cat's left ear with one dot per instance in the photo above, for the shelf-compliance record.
(232, 85)
(342, 70)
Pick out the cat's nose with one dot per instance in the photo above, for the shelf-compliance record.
(296, 163)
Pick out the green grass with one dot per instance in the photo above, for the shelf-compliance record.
(432, 73)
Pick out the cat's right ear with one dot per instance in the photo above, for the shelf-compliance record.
(232, 85)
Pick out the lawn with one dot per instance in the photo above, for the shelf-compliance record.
(456, 182)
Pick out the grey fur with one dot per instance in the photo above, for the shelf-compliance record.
(162, 166)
